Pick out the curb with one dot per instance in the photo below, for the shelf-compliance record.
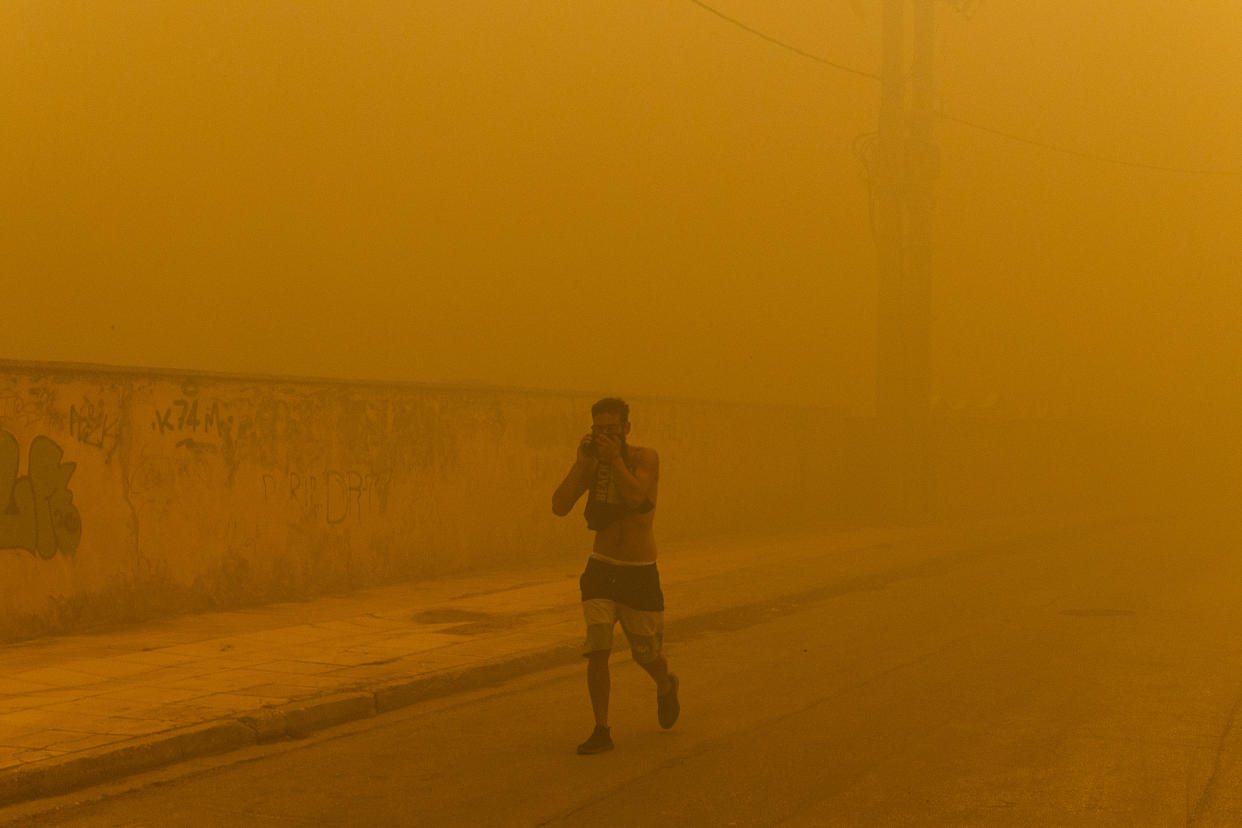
(302, 718)
(296, 720)
(57, 776)
(412, 691)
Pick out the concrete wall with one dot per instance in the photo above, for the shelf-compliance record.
(158, 493)
(133, 494)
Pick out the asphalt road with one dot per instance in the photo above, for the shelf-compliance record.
(1088, 680)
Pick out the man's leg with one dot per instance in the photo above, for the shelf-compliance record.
(601, 615)
(645, 630)
(668, 708)
(598, 683)
(657, 668)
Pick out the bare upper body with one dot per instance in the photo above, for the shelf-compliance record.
(636, 473)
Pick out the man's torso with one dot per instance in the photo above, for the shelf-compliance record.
(630, 538)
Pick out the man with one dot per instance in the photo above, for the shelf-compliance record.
(620, 582)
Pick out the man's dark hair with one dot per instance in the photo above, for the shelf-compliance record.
(612, 405)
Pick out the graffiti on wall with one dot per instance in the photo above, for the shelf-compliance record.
(16, 411)
(185, 419)
(335, 497)
(91, 424)
(38, 514)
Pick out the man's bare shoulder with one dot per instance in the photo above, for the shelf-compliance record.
(644, 455)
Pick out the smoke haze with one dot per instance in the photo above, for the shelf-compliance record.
(641, 197)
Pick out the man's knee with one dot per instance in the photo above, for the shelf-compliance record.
(598, 640)
(646, 648)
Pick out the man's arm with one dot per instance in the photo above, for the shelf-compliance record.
(577, 481)
(635, 487)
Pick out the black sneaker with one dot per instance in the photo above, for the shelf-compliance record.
(667, 706)
(600, 741)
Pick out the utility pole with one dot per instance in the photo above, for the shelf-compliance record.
(905, 175)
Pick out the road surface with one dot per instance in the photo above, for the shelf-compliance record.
(1085, 680)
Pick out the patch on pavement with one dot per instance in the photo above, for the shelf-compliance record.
(468, 622)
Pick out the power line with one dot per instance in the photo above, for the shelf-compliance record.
(784, 45)
(1081, 154)
(962, 121)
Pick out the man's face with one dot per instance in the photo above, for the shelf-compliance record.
(611, 425)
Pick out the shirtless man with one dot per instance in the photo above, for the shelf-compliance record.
(621, 582)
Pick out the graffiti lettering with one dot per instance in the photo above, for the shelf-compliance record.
(183, 416)
(91, 426)
(162, 420)
(15, 411)
(296, 488)
(189, 414)
(39, 515)
(342, 496)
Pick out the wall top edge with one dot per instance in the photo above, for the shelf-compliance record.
(71, 369)
(103, 370)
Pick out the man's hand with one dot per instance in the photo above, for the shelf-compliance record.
(586, 450)
(607, 447)
(578, 480)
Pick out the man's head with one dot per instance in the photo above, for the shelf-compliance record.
(612, 405)
(611, 416)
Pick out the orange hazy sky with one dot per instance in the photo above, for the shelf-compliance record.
(636, 197)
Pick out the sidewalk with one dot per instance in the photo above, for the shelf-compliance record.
(79, 710)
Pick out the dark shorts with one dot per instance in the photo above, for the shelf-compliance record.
(637, 587)
(629, 594)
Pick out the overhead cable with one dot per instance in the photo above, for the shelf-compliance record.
(962, 121)
(842, 67)
(1081, 154)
